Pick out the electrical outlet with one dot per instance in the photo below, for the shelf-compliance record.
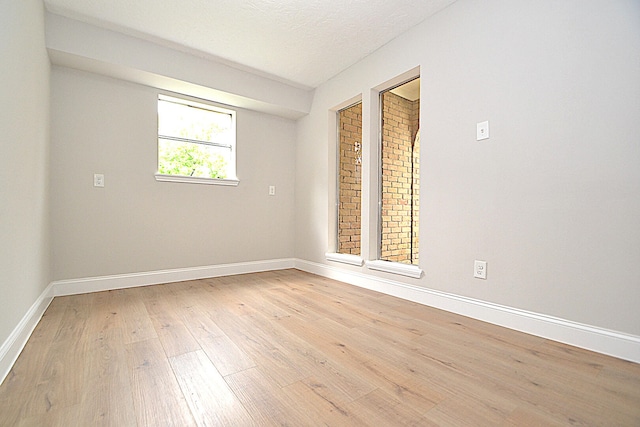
(272, 190)
(98, 180)
(480, 269)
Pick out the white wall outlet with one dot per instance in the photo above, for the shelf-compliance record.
(98, 180)
(480, 269)
(272, 190)
(482, 131)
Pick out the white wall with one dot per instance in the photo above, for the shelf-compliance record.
(552, 199)
(24, 127)
(135, 224)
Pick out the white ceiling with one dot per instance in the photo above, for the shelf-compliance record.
(304, 42)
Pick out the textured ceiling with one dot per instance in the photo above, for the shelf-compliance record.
(305, 42)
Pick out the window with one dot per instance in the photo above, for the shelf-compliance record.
(196, 142)
(400, 173)
(349, 179)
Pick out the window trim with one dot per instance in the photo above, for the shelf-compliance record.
(356, 260)
(233, 180)
(408, 270)
(348, 259)
(379, 263)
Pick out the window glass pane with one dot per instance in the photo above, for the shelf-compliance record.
(400, 174)
(190, 122)
(195, 140)
(349, 179)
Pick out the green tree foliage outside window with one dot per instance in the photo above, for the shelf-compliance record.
(190, 159)
(193, 140)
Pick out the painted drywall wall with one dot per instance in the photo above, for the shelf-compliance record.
(136, 224)
(24, 135)
(552, 199)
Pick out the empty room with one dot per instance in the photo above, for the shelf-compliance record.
(320, 213)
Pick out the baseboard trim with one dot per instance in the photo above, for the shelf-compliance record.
(121, 281)
(612, 343)
(13, 345)
(605, 341)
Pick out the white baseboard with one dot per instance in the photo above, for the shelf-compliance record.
(13, 345)
(121, 281)
(617, 344)
(605, 341)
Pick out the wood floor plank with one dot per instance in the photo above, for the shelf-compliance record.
(106, 389)
(539, 385)
(264, 400)
(211, 400)
(461, 412)
(265, 352)
(287, 300)
(530, 417)
(153, 381)
(327, 376)
(136, 321)
(350, 358)
(320, 410)
(326, 306)
(172, 332)
(375, 348)
(225, 355)
(60, 417)
(194, 306)
(380, 408)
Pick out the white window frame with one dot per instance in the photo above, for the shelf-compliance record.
(334, 193)
(232, 180)
(407, 270)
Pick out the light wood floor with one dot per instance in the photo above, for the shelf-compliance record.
(290, 348)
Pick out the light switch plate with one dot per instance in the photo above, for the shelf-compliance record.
(482, 131)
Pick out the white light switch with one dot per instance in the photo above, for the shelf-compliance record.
(480, 269)
(98, 180)
(272, 190)
(482, 130)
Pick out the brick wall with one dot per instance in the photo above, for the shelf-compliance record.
(350, 180)
(400, 179)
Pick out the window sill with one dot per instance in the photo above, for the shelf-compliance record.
(395, 268)
(197, 180)
(344, 258)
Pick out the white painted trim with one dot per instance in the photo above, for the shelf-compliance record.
(196, 180)
(120, 281)
(613, 343)
(395, 268)
(13, 345)
(344, 258)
